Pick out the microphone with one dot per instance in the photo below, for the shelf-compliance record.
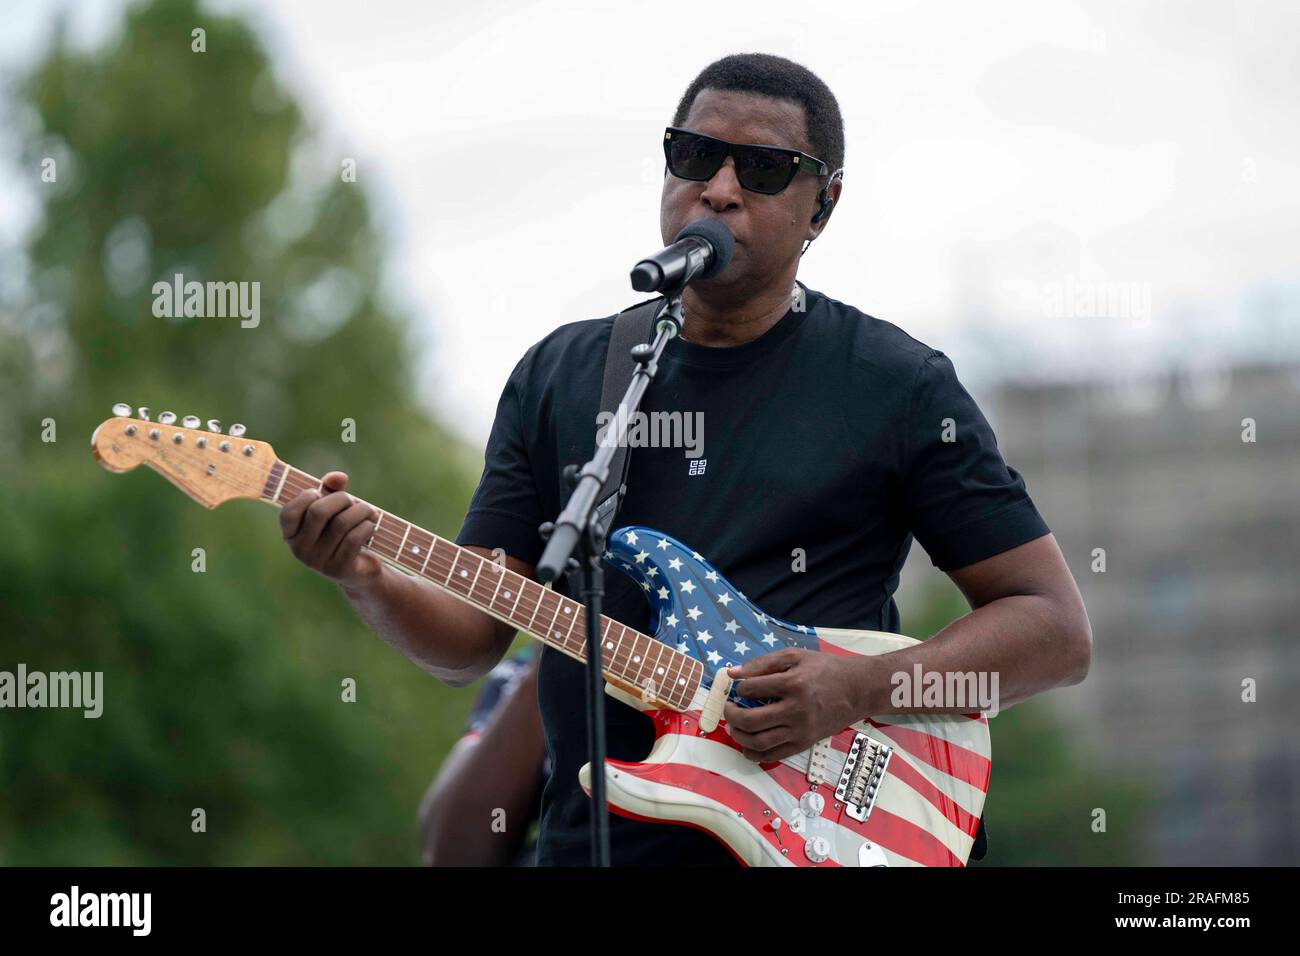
(700, 251)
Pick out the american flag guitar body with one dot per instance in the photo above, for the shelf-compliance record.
(897, 790)
(892, 790)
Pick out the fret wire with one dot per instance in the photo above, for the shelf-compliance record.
(477, 572)
(675, 674)
(663, 683)
(696, 678)
(676, 686)
(570, 634)
(280, 487)
(677, 666)
(538, 608)
(525, 588)
(611, 661)
(541, 601)
(639, 654)
(549, 627)
(519, 592)
(629, 651)
(571, 614)
(500, 577)
(455, 556)
(659, 666)
(618, 660)
(618, 646)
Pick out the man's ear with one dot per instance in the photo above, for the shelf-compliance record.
(827, 200)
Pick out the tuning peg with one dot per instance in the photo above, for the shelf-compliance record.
(236, 431)
(121, 409)
(166, 418)
(190, 421)
(214, 426)
(143, 413)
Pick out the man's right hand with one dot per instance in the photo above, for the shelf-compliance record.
(326, 530)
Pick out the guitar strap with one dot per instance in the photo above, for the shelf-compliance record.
(632, 326)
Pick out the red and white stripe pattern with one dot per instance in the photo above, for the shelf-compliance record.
(925, 814)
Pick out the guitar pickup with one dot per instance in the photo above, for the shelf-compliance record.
(864, 768)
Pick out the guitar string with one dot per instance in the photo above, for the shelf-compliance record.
(299, 480)
(250, 479)
(620, 658)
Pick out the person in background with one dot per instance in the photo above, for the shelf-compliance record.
(482, 807)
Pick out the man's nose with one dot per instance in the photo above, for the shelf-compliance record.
(723, 190)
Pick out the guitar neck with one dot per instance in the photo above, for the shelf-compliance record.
(630, 659)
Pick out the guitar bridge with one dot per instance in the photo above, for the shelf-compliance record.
(864, 768)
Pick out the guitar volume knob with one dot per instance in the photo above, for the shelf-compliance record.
(812, 804)
(818, 849)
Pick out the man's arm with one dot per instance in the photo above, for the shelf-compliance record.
(1028, 625)
(1028, 622)
(495, 770)
(452, 640)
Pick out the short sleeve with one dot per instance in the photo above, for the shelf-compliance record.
(964, 502)
(500, 682)
(505, 510)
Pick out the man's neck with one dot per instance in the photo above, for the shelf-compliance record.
(722, 324)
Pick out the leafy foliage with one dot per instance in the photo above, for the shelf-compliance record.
(222, 688)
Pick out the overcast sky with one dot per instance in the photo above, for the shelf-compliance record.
(1003, 159)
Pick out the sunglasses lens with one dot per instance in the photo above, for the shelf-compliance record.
(765, 170)
(694, 157)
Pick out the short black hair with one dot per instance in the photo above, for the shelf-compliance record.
(769, 75)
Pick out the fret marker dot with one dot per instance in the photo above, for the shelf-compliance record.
(415, 549)
(464, 573)
(636, 659)
(507, 594)
(609, 645)
(566, 610)
(659, 670)
(681, 680)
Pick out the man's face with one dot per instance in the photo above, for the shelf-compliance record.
(767, 243)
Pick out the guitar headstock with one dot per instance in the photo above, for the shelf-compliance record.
(208, 466)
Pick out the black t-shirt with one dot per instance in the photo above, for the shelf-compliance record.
(834, 433)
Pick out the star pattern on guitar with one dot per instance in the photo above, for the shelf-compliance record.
(698, 611)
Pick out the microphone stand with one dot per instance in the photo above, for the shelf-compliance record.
(578, 527)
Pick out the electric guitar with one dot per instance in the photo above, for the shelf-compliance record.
(894, 790)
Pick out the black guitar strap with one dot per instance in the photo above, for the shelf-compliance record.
(632, 326)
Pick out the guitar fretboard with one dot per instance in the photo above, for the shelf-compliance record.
(561, 622)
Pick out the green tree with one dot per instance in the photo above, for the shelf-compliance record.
(222, 689)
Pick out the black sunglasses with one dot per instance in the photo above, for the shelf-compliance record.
(760, 169)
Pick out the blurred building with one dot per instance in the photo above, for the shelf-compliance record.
(1201, 591)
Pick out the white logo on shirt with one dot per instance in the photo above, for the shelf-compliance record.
(697, 466)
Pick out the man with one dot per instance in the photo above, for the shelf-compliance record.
(832, 439)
